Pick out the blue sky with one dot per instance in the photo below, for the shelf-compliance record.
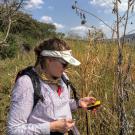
(60, 13)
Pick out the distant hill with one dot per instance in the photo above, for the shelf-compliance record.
(24, 30)
(27, 26)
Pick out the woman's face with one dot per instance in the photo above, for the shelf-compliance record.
(55, 66)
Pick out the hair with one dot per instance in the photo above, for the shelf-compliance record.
(50, 44)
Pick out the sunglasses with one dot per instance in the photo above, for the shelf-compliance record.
(63, 62)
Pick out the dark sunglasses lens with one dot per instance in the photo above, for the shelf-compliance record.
(65, 65)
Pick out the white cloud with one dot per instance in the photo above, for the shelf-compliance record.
(34, 4)
(58, 26)
(130, 28)
(101, 2)
(108, 32)
(80, 30)
(109, 4)
(105, 29)
(48, 19)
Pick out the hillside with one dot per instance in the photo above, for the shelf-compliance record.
(24, 30)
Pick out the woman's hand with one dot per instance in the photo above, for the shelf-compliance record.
(62, 125)
(84, 102)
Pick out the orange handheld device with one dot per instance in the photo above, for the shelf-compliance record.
(96, 104)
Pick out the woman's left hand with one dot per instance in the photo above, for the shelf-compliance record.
(84, 102)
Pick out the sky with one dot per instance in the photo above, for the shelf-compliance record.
(60, 13)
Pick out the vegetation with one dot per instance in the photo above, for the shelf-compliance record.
(107, 69)
(95, 76)
(24, 30)
(121, 73)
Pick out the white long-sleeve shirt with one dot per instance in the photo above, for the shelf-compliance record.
(24, 120)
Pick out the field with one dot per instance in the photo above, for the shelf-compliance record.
(96, 76)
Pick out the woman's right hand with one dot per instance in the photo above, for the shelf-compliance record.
(62, 125)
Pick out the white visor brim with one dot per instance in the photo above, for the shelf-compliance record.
(66, 55)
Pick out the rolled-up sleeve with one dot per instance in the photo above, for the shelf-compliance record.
(20, 110)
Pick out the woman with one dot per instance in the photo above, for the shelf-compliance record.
(53, 114)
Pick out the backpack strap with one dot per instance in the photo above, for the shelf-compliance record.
(69, 83)
(36, 84)
(35, 81)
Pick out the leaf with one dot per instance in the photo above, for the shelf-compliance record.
(73, 6)
(83, 22)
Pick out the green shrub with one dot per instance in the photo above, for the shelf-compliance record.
(10, 50)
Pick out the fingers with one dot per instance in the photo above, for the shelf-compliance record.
(84, 102)
(70, 123)
(89, 99)
(69, 120)
(66, 125)
(92, 99)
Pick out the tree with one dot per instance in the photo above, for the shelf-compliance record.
(8, 11)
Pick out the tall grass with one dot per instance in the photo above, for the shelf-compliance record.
(94, 77)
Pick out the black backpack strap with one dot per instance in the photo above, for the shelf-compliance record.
(69, 83)
(35, 81)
